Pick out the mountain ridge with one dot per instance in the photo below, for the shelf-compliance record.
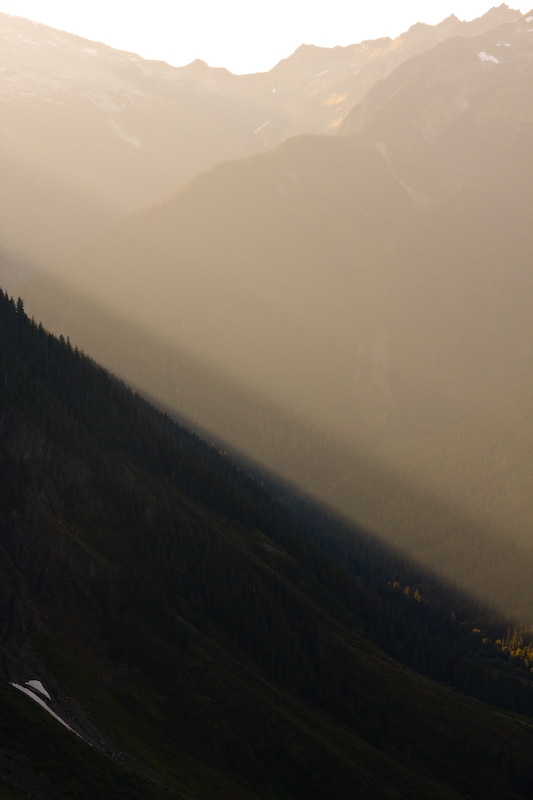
(86, 114)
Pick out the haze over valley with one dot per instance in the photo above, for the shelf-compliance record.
(324, 270)
(372, 283)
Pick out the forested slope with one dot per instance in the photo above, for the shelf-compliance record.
(184, 626)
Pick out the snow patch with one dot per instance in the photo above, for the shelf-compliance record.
(37, 685)
(529, 19)
(322, 73)
(485, 57)
(120, 132)
(43, 705)
(90, 50)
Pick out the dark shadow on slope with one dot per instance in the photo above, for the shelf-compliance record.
(170, 532)
(354, 482)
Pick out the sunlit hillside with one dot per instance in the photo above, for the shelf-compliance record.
(374, 285)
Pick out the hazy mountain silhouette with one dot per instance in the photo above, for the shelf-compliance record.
(89, 134)
(374, 285)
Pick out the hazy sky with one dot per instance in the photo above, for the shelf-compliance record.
(242, 35)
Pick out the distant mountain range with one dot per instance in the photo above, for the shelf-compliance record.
(89, 134)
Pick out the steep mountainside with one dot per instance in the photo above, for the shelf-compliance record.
(374, 286)
(326, 83)
(90, 134)
(162, 605)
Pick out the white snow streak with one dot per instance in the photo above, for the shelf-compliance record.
(44, 705)
(416, 197)
(37, 685)
(119, 131)
(260, 128)
(485, 57)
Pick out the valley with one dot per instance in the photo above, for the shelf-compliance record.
(265, 438)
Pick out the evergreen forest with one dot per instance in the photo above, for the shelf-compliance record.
(206, 640)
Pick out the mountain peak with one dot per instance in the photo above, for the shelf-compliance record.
(501, 10)
(198, 64)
